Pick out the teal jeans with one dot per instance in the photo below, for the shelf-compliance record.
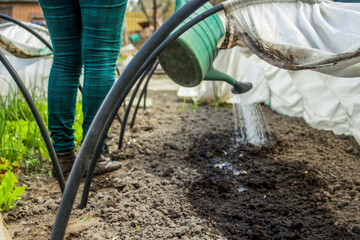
(85, 34)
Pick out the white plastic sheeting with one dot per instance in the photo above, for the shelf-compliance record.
(32, 61)
(320, 35)
(294, 35)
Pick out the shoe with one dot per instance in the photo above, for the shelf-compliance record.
(66, 161)
(105, 165)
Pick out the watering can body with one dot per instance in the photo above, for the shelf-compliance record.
(188, 59)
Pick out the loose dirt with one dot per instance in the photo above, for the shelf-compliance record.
(182, 178)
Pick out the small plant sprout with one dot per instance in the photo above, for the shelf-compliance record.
(86, 218)
(226, 106)
(182, 108)
(137, 228)
(195, 105)
(217, 99)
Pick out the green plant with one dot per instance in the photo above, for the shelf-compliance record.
(217, 99)
(78, 124)
(137, 228)
(9, 193)
(6, 165)
(226, 106)
(86, 218)
(20, 137)
(195, 105)
(182, 108)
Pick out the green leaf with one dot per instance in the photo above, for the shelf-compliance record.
(18, 191)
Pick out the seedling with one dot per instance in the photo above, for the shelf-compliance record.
(182, 108)
(137, 228)
(9, 193)
(217, 99)
(195, 105)
(86, 218)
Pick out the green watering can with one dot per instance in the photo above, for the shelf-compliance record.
(188, 59)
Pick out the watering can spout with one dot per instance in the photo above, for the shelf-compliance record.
(238, 87)
(241, 87)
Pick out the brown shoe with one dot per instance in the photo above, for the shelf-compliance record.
(66, 161)
(105, 165)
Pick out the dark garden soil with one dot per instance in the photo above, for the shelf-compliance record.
(306, 185)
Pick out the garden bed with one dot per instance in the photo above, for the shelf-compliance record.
(182, 178)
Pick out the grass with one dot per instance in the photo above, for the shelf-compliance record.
(20, 138)
(21, 142)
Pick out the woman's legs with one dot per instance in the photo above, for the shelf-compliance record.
(86, 33)
(102, 29)
(64, 22)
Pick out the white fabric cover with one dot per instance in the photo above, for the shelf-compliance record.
(21, 43)
(34, 69)
(294, 35)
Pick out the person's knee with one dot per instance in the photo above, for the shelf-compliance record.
(68, 61)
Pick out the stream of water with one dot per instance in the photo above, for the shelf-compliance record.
(250, 124)
(250, 128)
